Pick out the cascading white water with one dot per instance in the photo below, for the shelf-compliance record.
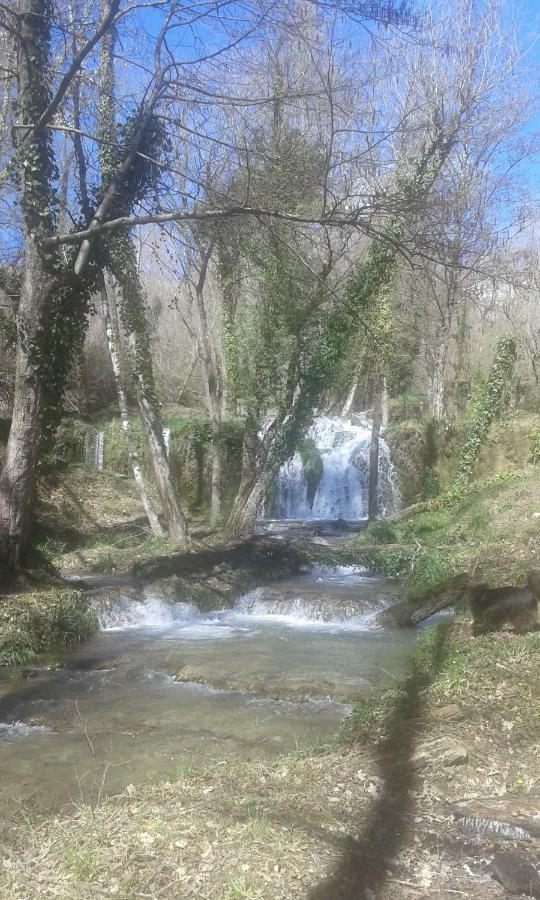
(342, 491)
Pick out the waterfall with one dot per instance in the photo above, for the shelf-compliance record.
(342, 490)
(167, 440)
(100, 450)
(95, 447)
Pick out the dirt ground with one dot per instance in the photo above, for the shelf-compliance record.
(393, 809)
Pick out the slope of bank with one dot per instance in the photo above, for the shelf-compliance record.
(491, 529)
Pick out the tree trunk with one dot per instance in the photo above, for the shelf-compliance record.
(125, 271)
(247, 505)
(436, 380)
(18, 473)
(176, 522)
(216, 471)
(213, 383)
(384, 404)
(373, 482)
(254, 482)
(113, 340)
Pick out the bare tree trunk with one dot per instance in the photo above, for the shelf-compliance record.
(113, 340)
(436, 379)
(373, 482)
(253, 485)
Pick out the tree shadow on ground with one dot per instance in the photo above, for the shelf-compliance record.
(362, 870)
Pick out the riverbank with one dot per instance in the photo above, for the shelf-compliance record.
(379, 809)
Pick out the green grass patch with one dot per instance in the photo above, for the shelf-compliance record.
(490, 527)
(34, 621)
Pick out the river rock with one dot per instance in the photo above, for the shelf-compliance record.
(441, 752)
(517, 873)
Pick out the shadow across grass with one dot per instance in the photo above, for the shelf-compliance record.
(363, 867)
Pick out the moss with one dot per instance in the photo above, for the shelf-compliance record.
(34, 621)
(378, 533)
(408, 445)
(313, 466)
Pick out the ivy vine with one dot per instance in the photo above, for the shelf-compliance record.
(489, 404)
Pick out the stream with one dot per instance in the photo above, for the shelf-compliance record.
(163, 687)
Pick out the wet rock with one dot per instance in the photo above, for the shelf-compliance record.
(441, 752)
(517, 873)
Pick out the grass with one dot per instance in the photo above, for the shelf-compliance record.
(241, 889)
(83, 863)
(30, 622)
(490, 528)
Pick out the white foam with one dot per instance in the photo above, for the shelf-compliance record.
(151, 612)
(298, 612)
(15, 730)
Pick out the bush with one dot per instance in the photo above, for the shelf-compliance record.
(431, 486)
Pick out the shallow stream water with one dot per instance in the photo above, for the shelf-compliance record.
(278, 671)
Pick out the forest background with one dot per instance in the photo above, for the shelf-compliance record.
(218, 219)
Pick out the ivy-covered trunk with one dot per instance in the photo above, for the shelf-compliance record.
(36, 174)
(122, 263)
(254, 483)
(373, 482)
(174, 516)
(113, 341)
(18, 473)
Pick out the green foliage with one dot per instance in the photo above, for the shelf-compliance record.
(391, 563)
(83, 863)
(431, 568)
(378, 533)
(67, 446)
(431, 484)
(534, 443)
(488, 406)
